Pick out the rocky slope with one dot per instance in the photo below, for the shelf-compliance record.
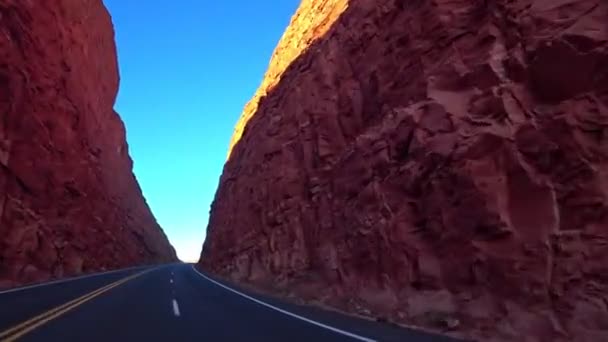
(69, 202)
(440, 163)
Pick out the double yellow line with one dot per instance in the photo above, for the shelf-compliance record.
(23, 328)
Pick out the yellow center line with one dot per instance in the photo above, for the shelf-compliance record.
(23, 328)
(49, 312)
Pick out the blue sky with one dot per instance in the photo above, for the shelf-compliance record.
(187, 69)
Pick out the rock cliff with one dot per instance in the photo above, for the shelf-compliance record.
(69, 203)
(438, 163)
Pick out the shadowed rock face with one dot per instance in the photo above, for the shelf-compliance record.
(69, 202)
(441, 163)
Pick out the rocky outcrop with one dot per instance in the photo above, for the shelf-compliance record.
(439, 163)
(69, 202)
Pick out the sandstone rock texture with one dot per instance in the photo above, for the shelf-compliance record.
(69, 203)
(437, 163)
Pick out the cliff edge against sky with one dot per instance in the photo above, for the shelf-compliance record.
(69, 203)
(438, 163)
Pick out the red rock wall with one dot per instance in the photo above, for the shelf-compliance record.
(69, 203)
(441, 163)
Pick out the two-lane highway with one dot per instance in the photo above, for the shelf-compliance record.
(173, 303)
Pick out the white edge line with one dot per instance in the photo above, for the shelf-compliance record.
(65, 280)
(339, 331)
(175, 308)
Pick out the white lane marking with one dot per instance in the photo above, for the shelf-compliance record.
(175, 308)
(171, 280)
(336, 330)
(59, 281)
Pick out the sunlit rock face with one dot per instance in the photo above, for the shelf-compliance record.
(312, 21)
(69, 203)
(438, 163)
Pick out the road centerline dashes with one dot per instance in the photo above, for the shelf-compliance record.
(175, 308)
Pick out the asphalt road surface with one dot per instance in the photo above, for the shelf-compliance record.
(173, 303)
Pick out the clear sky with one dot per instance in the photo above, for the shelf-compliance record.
(187, 69)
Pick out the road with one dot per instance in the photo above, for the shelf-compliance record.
(174, 303)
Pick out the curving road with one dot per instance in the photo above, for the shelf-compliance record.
(173, 303)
